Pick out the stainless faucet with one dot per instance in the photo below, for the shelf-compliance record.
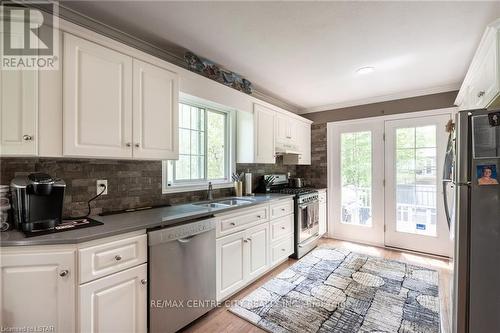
(210, 191)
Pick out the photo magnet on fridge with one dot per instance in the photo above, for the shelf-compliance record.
(487, 174)
(494, 118)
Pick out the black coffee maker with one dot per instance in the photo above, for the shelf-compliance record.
(37, 201)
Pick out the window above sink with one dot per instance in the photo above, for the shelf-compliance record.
(206, 148)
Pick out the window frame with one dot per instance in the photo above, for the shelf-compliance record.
(229, 153)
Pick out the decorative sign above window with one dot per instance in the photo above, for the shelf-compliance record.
(212, 71)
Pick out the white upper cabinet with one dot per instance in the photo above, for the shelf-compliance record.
(264, 134)
(97, 100)
(285, 129)
(303, 145)
(155, 112)
(37, 289)
(481, 88)
(18, 112)
(116, 106)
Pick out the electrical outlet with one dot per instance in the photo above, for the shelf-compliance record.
(99, 187)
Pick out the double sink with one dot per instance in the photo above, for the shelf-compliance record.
(225, 203)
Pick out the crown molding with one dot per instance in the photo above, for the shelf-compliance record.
(384, 98)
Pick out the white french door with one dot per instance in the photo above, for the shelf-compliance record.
(414, 208)
(356, 203)
(389, 191)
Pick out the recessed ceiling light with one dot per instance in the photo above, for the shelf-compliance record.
(365, 70)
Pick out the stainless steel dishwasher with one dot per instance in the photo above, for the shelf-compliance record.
(181, 274)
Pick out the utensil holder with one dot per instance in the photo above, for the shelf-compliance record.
(238, 188)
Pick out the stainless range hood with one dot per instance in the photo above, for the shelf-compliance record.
(287, 149)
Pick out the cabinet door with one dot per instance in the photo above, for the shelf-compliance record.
(156, 109)
(264, 134)
(18, 111)
(230, 264)
(257, 240)
(97, 100)
(304, 142)
(484, 84)
(116, 303)
(282, 130)
(322, 213)
(38, 290)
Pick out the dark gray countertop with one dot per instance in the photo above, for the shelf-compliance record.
(127, 222)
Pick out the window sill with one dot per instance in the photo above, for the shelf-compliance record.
(196, 187)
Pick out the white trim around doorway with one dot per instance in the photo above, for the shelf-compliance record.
(332, 153)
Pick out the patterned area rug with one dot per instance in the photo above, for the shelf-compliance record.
(335, 290)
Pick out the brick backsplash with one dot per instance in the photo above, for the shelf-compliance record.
(130, 183)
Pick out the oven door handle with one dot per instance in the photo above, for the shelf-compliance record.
(311, 203)
(315, 238)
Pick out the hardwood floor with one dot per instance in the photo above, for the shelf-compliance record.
(221, 320)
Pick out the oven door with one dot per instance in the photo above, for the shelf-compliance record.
(308, 220)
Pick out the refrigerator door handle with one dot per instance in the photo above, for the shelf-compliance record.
(445, 198)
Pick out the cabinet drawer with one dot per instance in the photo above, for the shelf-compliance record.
(281, 249)
(281, 209)
(104, 259)
(281, 227)
(241, 220)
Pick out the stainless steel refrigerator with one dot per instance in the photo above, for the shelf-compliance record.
(474, 218)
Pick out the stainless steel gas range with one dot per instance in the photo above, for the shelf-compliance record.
(306, 213)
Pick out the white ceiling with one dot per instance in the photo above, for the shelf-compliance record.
(307, 53)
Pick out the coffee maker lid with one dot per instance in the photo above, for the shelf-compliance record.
(40, 178)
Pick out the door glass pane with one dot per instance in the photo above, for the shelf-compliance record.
(416, 180)
(356, 174)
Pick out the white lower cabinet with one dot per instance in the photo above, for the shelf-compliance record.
(281, 249)
(245, 255)
(116, 303)
(323, 212)
(241, 257)
(37, 290)
(258, 250)
(230, 264)
(113, 287)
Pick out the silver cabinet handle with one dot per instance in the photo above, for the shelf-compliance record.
(27, 137)
(232, 223)
(283, 209)
(137, 145)
(63, 273)
(118, 257)
(283, 228)
(283, 249)
(245, 240)
(144, 281)
(128, 144)
(480, 94)
(259, 216)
